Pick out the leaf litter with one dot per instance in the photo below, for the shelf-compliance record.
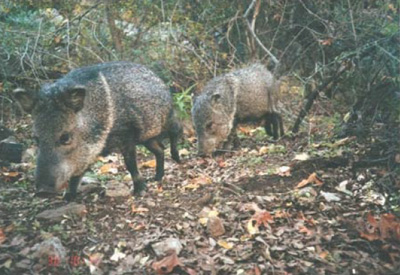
(239, 213)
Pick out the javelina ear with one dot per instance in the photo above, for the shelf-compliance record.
(74, 98)
(26, 101)
(215, 99)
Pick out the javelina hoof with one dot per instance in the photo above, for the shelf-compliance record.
(139, 188)
(176, 158)
(69, 197)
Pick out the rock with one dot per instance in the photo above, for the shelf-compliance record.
(215, 226)
(89, 185)
(117, 189)
(165, 247)
(29, 155)
(50, 252)
(58, 214)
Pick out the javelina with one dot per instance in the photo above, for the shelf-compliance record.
(245, 95)
(97, 110)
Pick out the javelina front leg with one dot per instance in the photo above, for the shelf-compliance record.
(272, 124)
(232, 139)
(156, 147)
(280, 122)
(72, 188)
(129, 154)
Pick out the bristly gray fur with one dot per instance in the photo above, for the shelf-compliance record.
(124, 104)
(244, 95)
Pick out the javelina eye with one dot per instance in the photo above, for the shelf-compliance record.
(65, 139)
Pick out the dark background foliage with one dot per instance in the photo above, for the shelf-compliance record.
(345, 50)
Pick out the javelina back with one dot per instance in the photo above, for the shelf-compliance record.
(245, 95)
(97, 110)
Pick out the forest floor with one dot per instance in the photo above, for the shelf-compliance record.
(306, 204)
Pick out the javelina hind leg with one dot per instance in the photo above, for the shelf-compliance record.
(174, 136)
(156, 147)
(72, 187)
(281, 130)
(272, 125)
(129, 154)
(268, 124)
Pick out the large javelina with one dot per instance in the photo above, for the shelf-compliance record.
(97, 110)
(245, 95)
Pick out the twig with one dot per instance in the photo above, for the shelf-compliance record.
(352, 21)
(273, 58)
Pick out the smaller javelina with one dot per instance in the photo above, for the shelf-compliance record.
(96, 110)
(242, 96)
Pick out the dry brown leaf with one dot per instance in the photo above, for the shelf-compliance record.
(167, 264)
(245, 130)
(372, 221)
(397, 158)
(313, 178)
(281, 214)
(149, 164)
(2, 236)
(324, 254)
(11, 174)
(326, 42)
(370, 237)
(201, 180)
(109, 168)
(284, 171)
(221, 164)
(135, 209)
(263, 217)
(225, 244)
(389, 227)
(305, 230)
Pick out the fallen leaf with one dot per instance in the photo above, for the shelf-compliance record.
(263, 217)
(329, 197)
(372, 221)
(96, 258)
(2, 236)
(167, 264)
(108, 168)
(301, 156)
(135, 209)
(117, 255)
(149, 164)
(225, 244)
(281, 214)
(370, 237)
(326, 42)
(284, 171)
(311, 179)
(184, 152)
(263, 150)
(201, 180)
(305, 230)
(324, 254)
(11, 174)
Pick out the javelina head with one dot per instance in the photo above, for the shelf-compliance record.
(213, 114)
(61, 130)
